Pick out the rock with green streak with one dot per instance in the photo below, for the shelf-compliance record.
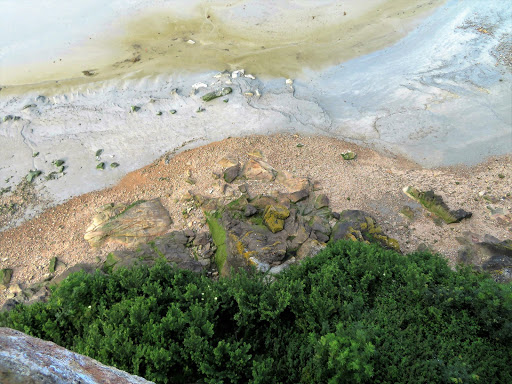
(100, 166)
(435, 204)
(32, 175)
(5, 276)
(99, 152)
(58, 163)
(213, 95)
(159, 113)
(61, 169)
(114, 165)
(53, 265)
(134, 108)
(35, 154)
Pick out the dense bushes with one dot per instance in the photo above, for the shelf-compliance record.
(354, 313)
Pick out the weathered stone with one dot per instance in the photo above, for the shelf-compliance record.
(488, 254)
(250, 210)
(274, 216)
(321, 201)
(29, 360)
(360, 226)
(258, 170)
(213, 95)
(231, 173)
(298, 196)
(132, 224)
(309, 249)
(348, 155)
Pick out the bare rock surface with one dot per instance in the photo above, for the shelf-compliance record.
(29, 360)
(128, 224)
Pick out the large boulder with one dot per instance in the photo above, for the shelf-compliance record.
(29, 360)
(131, 224)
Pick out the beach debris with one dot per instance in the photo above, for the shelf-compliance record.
(101, 166)
(225, 100)
(89, 72)
(249, 94)
(213, 95)
(134, 108)
(159, 113)
(58, 163)
(435, 204)
(200, 109)
(35, 154)
(172, 111)
(32, 175)
(114, 165)
(249, 76)
(191, 42)
(196, 86)
(29, 106)
(238, 73)
(7, 118)
(348, 155)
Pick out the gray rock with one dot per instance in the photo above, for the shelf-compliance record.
(27, 360)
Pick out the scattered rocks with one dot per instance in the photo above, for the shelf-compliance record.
(435, 204)
(128, 224)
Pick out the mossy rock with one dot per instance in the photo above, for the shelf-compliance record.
(349, 155)
(5, 276)
(101, 166)
(213, 95)
(32, 175)
(53, 265)
(274, 216)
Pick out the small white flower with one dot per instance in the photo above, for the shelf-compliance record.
(215, 297)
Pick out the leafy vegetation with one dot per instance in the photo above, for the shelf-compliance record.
(355, 313)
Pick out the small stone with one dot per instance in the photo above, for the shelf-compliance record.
(348, 155)
(159, 113)
(114, 165)
(213, 95)
(35, 154)
(32, 175)
(101, 166)
(58, 163)
(134, 108)
(231, 173)
(250, 210)
(274, 216)
(300, 145)
(321, 201)
(29, 106)
(99, 152)
(172, 111)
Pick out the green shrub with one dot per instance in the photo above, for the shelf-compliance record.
(355, 313)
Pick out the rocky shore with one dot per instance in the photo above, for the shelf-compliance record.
(266, 201)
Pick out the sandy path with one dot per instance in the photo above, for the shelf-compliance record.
(372, 182)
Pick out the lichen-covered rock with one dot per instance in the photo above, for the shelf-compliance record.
(213, 95)
(274, 216)
(29, 360)
(128, 224)
(360, 226)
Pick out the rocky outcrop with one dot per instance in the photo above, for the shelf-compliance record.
(131, 224)
(487, 254)
(29, 360)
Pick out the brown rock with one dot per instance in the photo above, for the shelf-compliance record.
(321, 201)
(134, 224)
(258, 170)
(29, 360)
(228, 161)
(309, 249)
(231, 173)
